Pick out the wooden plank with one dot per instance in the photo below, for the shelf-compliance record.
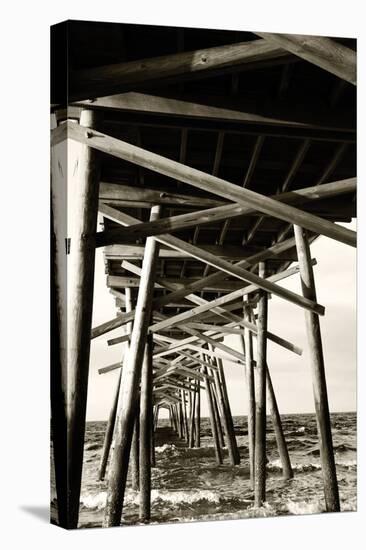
(212, 184)
(192, 219)
(323, 52)
(112, 79)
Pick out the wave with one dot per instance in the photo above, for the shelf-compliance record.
(98, 500)
(275, 466)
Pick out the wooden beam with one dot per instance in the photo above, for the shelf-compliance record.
(112, 79)
(323, 52)
(146, 426)
(132, 196)
(130, 386)
(136, 252)
(318, 377)
(260, 415)
(243, 116)
(123, 318)
(192, 219)
(219, 263)
(72, 304)
(212, 184)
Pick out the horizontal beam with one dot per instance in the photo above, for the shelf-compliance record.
(201, 217)
(219, 263)
(119, 77)
(132, 196)
(209, 183)
(159, 302)
(323, 52)
(136, 251)
(238, 118)
(117, 281)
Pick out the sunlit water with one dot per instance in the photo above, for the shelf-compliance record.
(188, 485)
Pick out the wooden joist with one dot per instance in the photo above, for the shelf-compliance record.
(323, 52)
(174, 223)
(212, 184)
(111, 79)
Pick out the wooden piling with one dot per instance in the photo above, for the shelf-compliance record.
(146, 427)
(250, 384)
(215, 435)
(233, 449)
(130, 384)
(216, 413)
(192, 420)
(73, 313)
(228, 428)
(318, 375)
(287, 472)
(185, 420)
(109, 432)
(135, 458)
(197, 442)
(260, 420)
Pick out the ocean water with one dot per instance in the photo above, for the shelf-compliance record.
(188, 485)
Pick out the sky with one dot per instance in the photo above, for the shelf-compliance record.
(335, 278)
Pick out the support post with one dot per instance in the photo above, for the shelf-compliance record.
(130, 384)
(135, 459)
(146, 427)
(197, 442)
(192, 420)
(318, 376)
(249, 372)
(287, 471)
(215, 435)
(260, 420)
(229, 419)
(72, 305)
(109, 432)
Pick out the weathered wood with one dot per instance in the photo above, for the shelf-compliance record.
(130, 381)
(214, 430)
(146, 427)
(217, 416)
(250, 384)
(190, 314)
(318, 377)
(323, 52)
(195, 299)
(209, 215)
(260, 417)
(133, 196)
(287, 472)
(226, 415)
(73, 308)
(239, 272)
(119, 77)
(192, 401)
(134, 464)
(212, 184)
(185, 420)
(197, 431)
(136, 252)
(109, 432)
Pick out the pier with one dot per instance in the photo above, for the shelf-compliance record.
(214, 159)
